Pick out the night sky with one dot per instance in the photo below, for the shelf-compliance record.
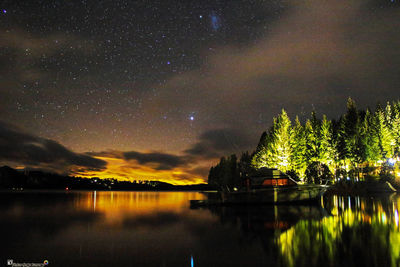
(162, 89)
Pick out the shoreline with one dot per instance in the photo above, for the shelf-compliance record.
(363, 188)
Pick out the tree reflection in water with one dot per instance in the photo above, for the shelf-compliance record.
(343, 231)
(159, 229)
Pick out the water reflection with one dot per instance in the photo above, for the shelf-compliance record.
(343, 231)
(159, 229)
(360, 232)
(99, 228)
(116, 206)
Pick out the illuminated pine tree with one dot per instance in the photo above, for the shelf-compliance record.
(279, 149)
(326, 150)
(392, 119)
(320, 148)
(369, 138)
(299, 162)
(312, 145)
(396, 128)
(260, 157)
(386, 141)
(274, 149)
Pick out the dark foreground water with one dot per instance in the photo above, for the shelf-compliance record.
(160, 229)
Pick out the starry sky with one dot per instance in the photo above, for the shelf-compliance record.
(162, 89)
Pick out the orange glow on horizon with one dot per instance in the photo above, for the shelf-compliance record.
(123, 170)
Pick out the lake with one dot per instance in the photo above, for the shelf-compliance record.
(159, 229)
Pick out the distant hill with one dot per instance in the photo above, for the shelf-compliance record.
(14, 179)
(11, 178)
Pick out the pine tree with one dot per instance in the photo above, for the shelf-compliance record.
(279, 150)
(369, 139)
(274, 149)
(386, 141)
(259, 159)
(244, 165)
(357, 137)
(312, 139)
(349, 136)
(326, 149)
(299, 162)
(234, 177)
(396, 128)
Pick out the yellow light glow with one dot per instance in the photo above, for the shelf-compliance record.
(123, 170)
(116, 206)
(306, 235)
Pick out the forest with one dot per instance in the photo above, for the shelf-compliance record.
(360, 145)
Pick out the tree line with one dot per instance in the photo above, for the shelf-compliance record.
(358, 144)
(21, 180)
(230, 172)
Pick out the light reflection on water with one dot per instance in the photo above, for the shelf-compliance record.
(159, 229)
(115, 206)
(360, 232)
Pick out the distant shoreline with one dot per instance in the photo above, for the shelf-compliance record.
(29, 190)
(14, 180)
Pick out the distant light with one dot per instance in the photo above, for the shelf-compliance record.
(348, 178)
(168, 62)
(191, 118)
(383, 217)
(201, 16)
(191, 261)
(67, 188)
(4, 11)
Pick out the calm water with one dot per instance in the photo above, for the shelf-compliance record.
(160, 229)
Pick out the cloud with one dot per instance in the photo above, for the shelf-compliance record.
(135, 165)
(201, 171)
(107, 154)
(318, 54)
(219, 142)
(29, 56)
(187, 167)
(190, 166)
(22, 148)
(164, 161)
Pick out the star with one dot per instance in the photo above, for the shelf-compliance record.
(166, 73)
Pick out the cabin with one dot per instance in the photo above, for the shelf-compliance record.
(268, 177)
